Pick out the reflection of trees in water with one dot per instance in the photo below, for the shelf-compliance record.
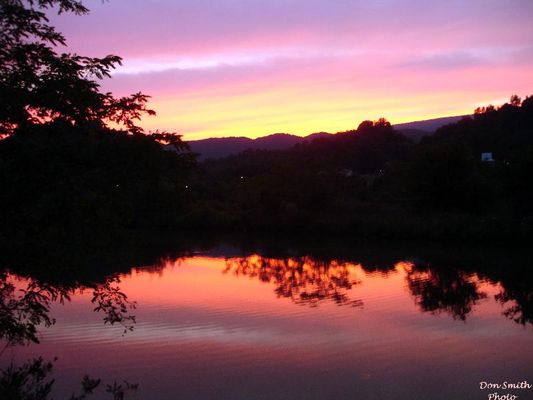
(302, 279)
(25, 306)
(31, 381)
(443, 290)
(438, 287)
(23, 310)
(520, 298)
(307, 280)
(114, 304)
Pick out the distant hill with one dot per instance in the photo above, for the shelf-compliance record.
(223, 147)
(428, 125)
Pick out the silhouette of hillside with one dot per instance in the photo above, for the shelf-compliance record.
(428, 125)
(213, 148)
(223, 147)
(374, 181)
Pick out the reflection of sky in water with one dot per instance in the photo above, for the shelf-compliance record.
(205, 333)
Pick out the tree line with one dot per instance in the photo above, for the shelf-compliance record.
(74, 160)
(374, 181)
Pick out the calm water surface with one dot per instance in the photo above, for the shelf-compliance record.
(226, 324)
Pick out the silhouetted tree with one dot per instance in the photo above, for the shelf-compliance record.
(32, 381)
(25, 308)
(65, 168)
(38, 84)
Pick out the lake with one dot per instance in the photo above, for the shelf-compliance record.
(270, 321)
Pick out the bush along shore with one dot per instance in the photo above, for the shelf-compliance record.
(469, 180)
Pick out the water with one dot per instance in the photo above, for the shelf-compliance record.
(224, 323)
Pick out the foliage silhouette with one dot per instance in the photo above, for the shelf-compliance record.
(31, 381)
(37, 84)
(21, 314)
(66, 165)
(516, 294)
(62, 178)
(443, 290)
(439, 283)
(304, 280)
(24, 307)
(28, 382)
(521, 308)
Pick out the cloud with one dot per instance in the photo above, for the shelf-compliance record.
(136, 28)
(469, 58)
(260, 66)
(444, 61)
(232, 59)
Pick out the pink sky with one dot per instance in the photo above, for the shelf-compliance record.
(256, 67)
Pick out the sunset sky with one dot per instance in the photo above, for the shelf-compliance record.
(256, 67)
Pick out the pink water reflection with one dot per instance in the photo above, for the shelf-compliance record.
(256, 327)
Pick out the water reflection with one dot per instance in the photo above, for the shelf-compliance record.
(25, 307)
(196, 318)
(516, 297)
(436, 288)
(304, 280)
(33, 381)
(443, 290)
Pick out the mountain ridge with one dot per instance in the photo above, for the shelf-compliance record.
(226, 146)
